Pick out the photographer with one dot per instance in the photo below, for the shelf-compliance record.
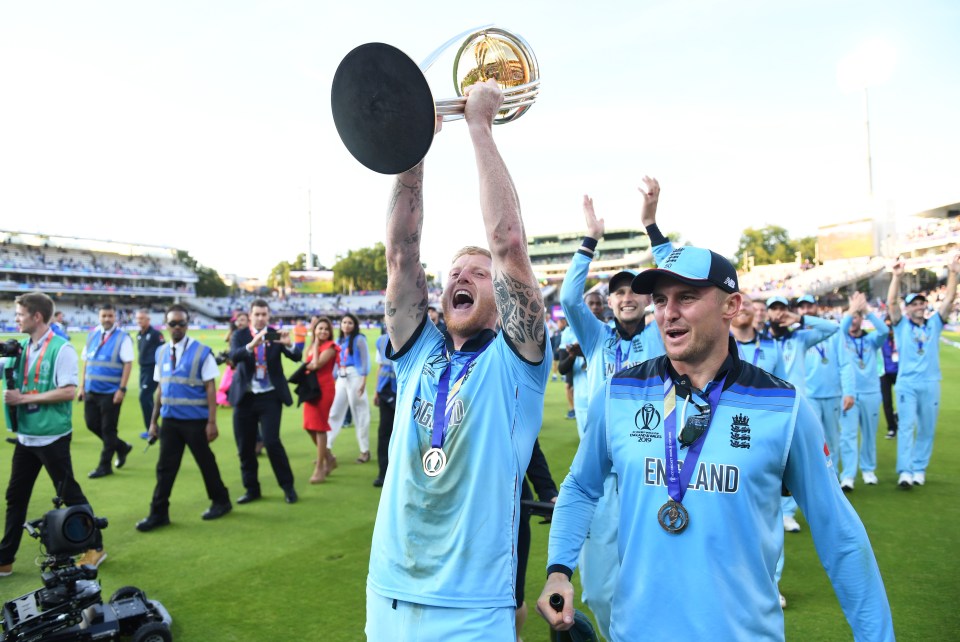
(41, 404)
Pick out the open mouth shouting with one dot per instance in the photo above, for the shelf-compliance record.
(462, 300)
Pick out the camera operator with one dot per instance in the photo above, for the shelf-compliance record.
(187, 400)
(46, 377)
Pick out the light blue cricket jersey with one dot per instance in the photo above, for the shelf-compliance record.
(763, 435)
(764, 353)
(858, 357)
(581, 387)
(599, 341)
(451, 540)
(918, 364)
(823, 379)
(794, 346)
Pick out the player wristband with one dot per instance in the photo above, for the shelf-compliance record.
(123, 388)
(559, 568)
(588, 246)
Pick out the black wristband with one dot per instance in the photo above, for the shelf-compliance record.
(589, 243)
(123, 389)
(559, 568)
(656, 236)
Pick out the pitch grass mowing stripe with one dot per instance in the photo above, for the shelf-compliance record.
(273, 571)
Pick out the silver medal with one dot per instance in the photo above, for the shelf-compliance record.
(434, 461)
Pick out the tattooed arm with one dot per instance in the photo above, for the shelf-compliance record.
(406, 299)
(517, 292)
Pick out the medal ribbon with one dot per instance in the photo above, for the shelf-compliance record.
(36, 371)
(920, 337)
(441, 414)
(823, 353)
(756, 349)
(858, 342)
(677, 478)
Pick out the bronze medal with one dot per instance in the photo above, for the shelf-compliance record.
(673, 517)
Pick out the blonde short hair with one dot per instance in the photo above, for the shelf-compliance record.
(471, 249)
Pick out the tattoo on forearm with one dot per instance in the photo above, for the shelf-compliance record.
(521, 309)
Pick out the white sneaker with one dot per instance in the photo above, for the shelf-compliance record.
(846, 484)
(905, 480)
(919, 479)
(783, 601)
(870, 477)
(790, 524)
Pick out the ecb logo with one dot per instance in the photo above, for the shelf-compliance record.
(649, 417)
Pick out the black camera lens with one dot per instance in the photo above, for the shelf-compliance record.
(77, 527)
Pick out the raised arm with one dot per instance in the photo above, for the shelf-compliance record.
(586, 326)
(406, 299)
(893, 294)
(954, 268)
(519, 301)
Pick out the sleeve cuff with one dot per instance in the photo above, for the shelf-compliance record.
(560, 568)
(588, 247)
(656, 236)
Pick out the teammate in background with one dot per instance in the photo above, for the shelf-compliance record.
(59, 326)
(148, 340)
(470, 405)
(46, 375)
(760, 323)
(103, 387)
(753, 345)
(888, 379)
(742, 434)
(861, 392)
(608, 349)
(918, 379)
(795, 334)
(186, 400)
(823, 379)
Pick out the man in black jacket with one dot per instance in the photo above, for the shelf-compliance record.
(148, 340)
(258, 393)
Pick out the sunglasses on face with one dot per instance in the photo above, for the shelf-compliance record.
(176, 324)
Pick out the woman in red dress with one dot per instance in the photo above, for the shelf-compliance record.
(323, 357)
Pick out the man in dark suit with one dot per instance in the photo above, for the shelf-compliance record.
(148, 340)
(258, 393)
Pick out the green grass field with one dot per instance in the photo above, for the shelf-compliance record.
(272, 571)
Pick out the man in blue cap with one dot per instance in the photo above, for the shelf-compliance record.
(608, 349)
(742, 433)
(918, 379)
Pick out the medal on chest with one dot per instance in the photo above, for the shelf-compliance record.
(673, 516)
(435, 459)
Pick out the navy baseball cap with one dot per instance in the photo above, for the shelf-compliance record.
(910, 298)
(621, 278)
(778, 299)
(691, 265)
(807, 298)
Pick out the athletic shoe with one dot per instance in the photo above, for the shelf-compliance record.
(783, 601)
(870, 478)
(145, 435)
(6, 569)
(571, 415)
(123, 450)
(891, 434)
(790, 524)
(919, 479)
(846, 485)
(905, 480)
(554, 377)
(93, 558)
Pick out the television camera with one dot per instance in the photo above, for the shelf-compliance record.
(70, 606)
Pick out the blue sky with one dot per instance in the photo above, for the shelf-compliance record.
(202, 125)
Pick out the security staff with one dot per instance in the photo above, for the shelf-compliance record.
(186, 372)
(46, 376)
(148, 340)
(109, 358)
